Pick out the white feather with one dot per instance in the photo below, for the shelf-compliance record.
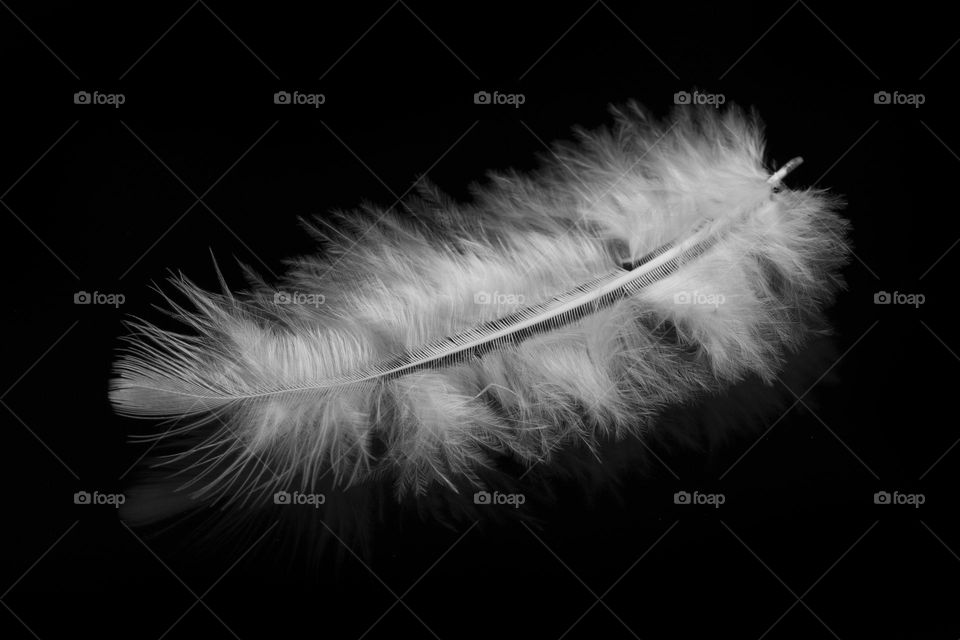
(432, 346)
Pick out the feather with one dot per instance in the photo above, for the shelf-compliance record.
(642, 267)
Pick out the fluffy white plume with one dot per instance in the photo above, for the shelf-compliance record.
(640, 268)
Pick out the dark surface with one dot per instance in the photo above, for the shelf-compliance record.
(110, 207)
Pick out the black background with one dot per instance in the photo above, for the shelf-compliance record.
(104, 199)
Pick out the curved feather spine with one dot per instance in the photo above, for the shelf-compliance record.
(563, 309)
